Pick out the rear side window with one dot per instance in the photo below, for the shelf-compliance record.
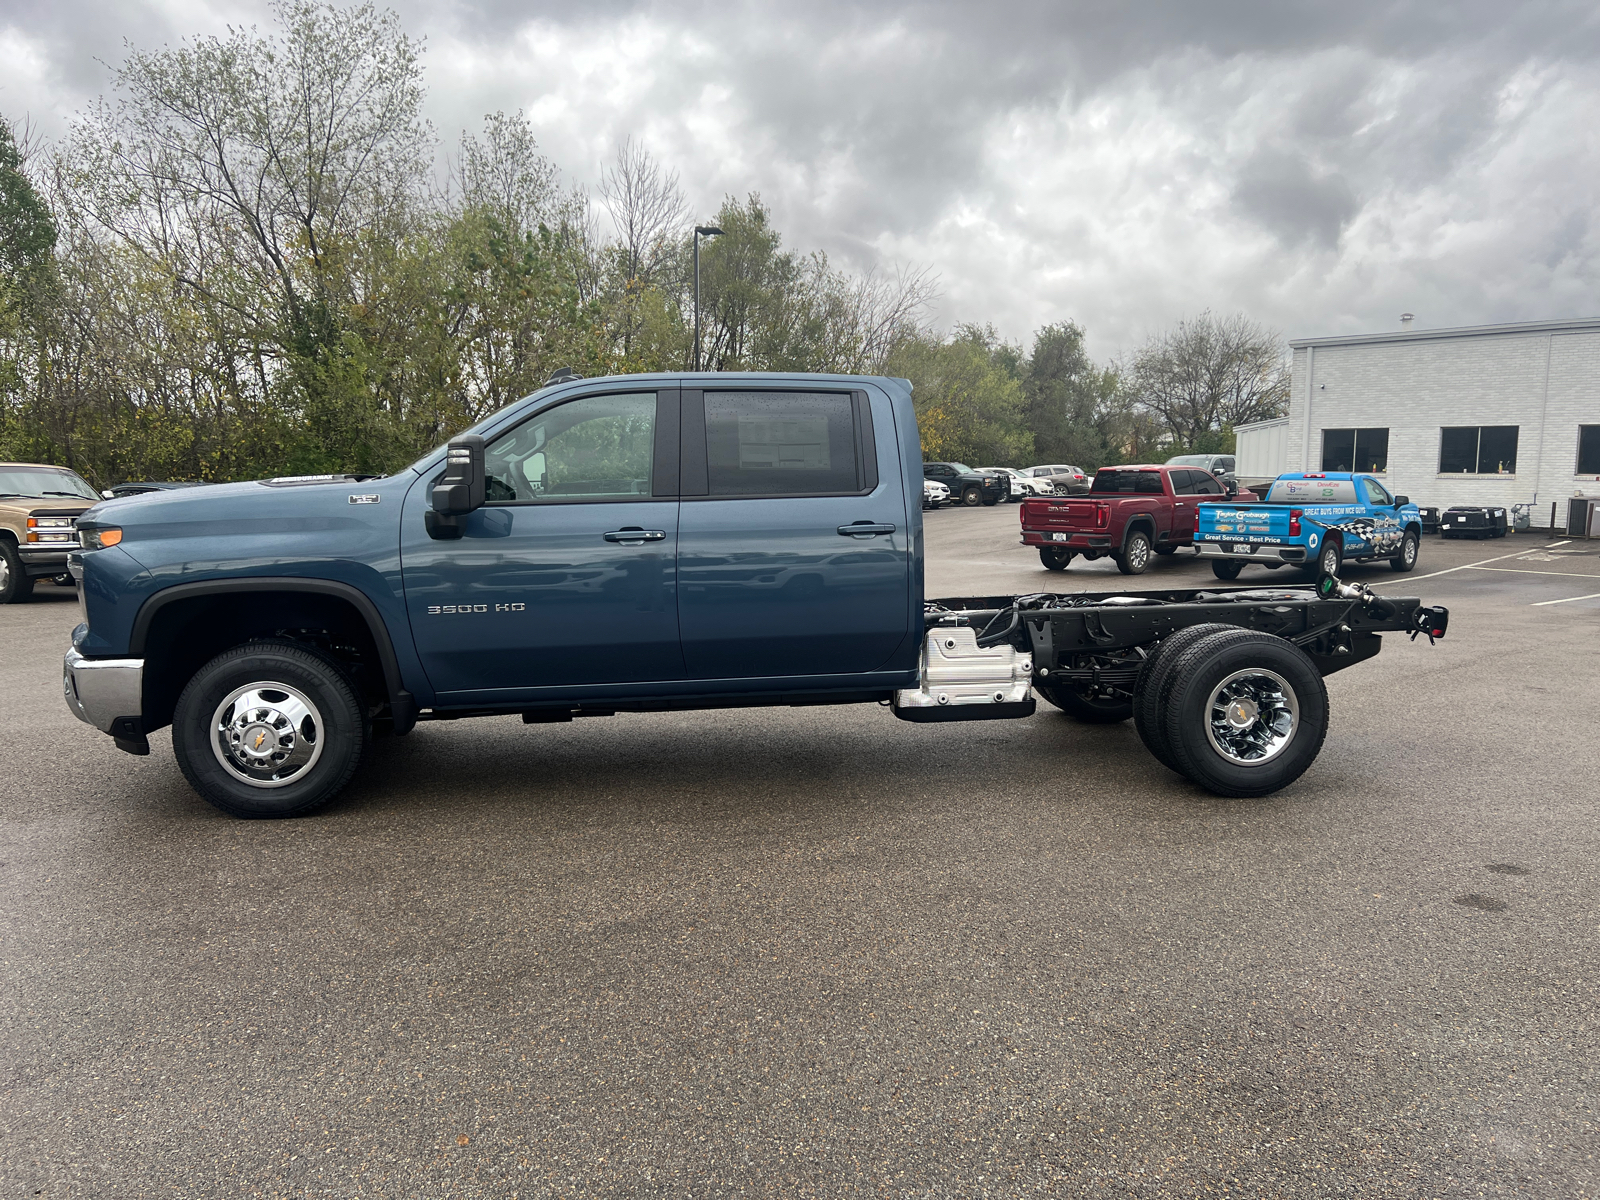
(1313, 491)
(782, 443)
(1140, 483)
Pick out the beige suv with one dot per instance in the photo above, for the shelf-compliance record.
(39, 511)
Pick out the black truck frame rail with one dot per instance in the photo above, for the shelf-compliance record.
(1225, 687)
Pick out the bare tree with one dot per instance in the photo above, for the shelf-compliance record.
(648, 210)
(1208, 372)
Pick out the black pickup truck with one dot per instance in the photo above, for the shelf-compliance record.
(968, 486)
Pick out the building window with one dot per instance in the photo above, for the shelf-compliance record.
(1355, 450)
(1589, 449)
(1478, 450)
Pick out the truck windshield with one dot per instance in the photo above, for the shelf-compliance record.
(42, 481)
(1191, 460)
(1141, 483)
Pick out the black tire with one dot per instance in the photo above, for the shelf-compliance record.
(1166, 550)
(1225, 568)
(1277, 673)
(1090, 710)
(1135, 556)
(275, 671)
(972, 497)
(1153, 676)
(990, 501)
(64, 580)
(1406, 560)
(15, 585)
(1329, 559)
(1054, 560)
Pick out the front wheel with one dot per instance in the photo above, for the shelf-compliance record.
(972, 497)
(1135, 556)
(1245, 713)
(1407, 558)
(15, 583)
(269, 729)
(990, 501)
(1223, 569)
(1054, 560)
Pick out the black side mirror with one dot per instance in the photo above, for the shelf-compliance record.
(1401, 501)
(460, 490)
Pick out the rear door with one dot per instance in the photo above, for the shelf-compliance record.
(794, 541)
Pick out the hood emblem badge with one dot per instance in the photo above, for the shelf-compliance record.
(367, 499)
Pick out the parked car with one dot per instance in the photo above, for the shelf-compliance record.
(1220, 466)
(139, 489)
(1316, 520)
(1129, 514)
(645, 543)
(934, 493)
(39, 510)
(1064, 480)
(972, 488)
(1023, 485)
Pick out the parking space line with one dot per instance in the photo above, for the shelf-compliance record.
(1449, 570)
(1524, 571)
(1566, 600)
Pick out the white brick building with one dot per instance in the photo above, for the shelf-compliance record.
(1493, 415)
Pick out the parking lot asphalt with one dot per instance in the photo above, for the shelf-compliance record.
(821, 952)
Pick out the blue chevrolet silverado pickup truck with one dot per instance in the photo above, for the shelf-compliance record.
(1318, 520)
(648, 543)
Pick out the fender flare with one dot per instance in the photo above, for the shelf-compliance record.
(401, 702)
(1145, 521)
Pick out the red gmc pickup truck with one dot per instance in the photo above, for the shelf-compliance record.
(1129, 513)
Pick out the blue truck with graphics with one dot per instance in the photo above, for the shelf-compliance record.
(1317, 520)
(648, 543)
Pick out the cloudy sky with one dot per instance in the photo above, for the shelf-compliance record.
(1321, 167)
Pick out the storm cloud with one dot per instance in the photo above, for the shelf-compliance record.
(1320, 168)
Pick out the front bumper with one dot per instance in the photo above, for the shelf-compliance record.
(1256, 552)
(104, 692)
(47, 558)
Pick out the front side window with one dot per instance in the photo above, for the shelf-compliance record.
(1354, 450)
(596, 448)
(1183, 482)
(1589, 449)
(1377, 495)
(1478, 450)
(780, 443)
(1206, 485)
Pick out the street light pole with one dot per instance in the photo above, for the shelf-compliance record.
(700, 231)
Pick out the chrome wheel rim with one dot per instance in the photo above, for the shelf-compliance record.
(1408, 550)
(1252, 717)
(5, 573)
(267, 735)
(1138, 553)
(1330, 561)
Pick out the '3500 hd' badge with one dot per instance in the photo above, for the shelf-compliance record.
(446, 610)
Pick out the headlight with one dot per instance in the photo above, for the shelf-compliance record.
(99, 537)
(51, 530)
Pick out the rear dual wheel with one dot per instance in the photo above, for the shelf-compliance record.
(1240, 713)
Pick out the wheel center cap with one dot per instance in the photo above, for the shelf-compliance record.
(259, 740)
(1242, 713)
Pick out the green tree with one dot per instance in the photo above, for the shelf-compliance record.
(969, 401)
(1074, 408)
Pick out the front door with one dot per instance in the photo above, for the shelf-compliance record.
(567, 575)
(772, 580)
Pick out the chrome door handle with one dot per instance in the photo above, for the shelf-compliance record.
(865, 529)
(633, 537)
